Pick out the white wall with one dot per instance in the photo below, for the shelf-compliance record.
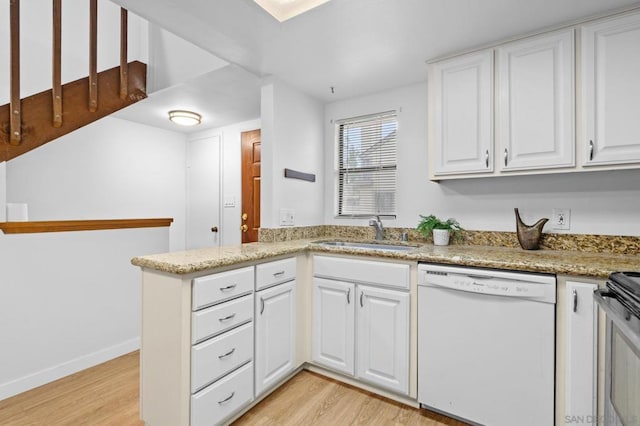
(111, 169)
(36, 46)
(292, 137)
(173, 60)
(3, 191)
(231, 172)
(68, 301)
(600, 202)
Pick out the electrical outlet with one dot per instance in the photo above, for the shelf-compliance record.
(287, 217)
(561, 219)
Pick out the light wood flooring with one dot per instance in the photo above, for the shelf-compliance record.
(108, 395)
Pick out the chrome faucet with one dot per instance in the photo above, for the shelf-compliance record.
(375, 221)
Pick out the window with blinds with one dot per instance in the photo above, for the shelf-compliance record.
(367, 165)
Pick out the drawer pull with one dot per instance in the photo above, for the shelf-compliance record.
(227, 318)
(278, 274)
(227, 398)
(227, 354)
(229, 287)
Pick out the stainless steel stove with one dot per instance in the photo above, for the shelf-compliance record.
(620, 300)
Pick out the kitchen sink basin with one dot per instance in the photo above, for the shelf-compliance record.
(367, 246)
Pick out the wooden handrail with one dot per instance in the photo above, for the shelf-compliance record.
(81, 225)
(93, 55)
(14, 103)
(56, 91)
(124, 67)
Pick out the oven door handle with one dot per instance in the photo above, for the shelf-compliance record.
(622, 322)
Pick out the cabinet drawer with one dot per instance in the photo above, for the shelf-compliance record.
(279, 271)
(219, 318)
(363, 271)
(217, 288)
(214, 404)
(215, 357)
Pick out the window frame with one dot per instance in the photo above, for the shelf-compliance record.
(339, 172)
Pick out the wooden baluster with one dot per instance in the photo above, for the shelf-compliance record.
(124, 67)
(93, 55)
(57, 53)
(14, 102)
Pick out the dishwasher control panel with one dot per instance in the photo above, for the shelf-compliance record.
(500, 283)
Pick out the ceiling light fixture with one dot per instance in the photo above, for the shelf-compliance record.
(287, 9)
(185, 118)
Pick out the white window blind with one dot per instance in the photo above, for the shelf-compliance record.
(367, 165)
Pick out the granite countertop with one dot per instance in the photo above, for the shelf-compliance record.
(597, 265)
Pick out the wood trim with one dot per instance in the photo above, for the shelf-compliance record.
(93, 55)
(124, 67)
(14, 103)
(81, 225)
(56, 90)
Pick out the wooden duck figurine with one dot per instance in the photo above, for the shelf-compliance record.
(529, 235)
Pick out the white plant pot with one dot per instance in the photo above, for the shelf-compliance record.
(440, 237)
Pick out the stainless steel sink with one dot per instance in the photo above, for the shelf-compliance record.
(367, 246)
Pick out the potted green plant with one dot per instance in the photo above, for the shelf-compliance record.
(441, 229)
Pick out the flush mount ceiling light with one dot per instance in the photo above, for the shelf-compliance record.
(286, 9)
(185, 118)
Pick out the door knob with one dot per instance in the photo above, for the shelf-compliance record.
(244, 228)
(214, 229)
(244, 216)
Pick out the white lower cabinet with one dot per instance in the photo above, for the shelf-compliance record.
(217, 402)
(275, 334)
(362, 330)
(383, 337)
(582, 356)
(334, 324)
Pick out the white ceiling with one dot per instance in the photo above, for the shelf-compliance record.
(357, 46)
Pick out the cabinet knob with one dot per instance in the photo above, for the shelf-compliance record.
(214, 229)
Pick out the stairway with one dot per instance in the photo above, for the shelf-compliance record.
(27, 123)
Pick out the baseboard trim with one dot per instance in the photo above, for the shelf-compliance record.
(64, 369)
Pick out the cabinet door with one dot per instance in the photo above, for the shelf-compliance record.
(275, 334)
(383, 337)
(610, 90)
(462, 112)
(333, 342)
(535, 126)
(582, 342)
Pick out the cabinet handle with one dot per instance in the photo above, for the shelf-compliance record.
(227, 354)
(261, 305)
(229, 287)
(486, 159)
(506, 157)
(575, 300)
(227, 318)
(227, 398)
(348, 294)
(278, 274)
(591, 150)
(361, 304)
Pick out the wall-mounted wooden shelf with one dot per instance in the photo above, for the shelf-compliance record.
(81, 225)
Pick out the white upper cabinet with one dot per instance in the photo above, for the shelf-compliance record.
(535, 103)
(611, 90)
(462, 114)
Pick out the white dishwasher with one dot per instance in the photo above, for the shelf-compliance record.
(486, 345)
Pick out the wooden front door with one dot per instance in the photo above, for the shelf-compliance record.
(250, 186)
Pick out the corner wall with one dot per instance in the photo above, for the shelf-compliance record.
(292, 137)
